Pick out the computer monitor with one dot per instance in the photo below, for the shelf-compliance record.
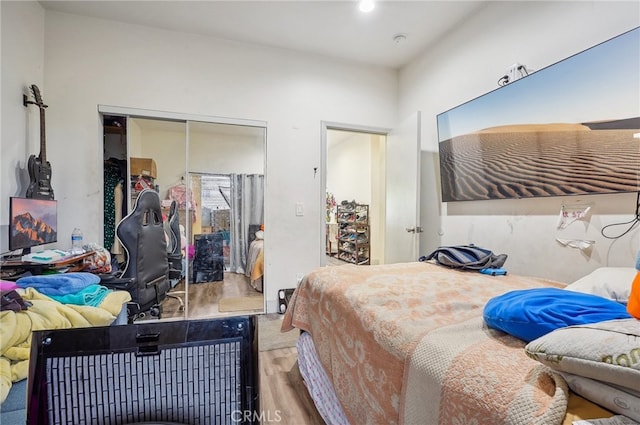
(32, 222)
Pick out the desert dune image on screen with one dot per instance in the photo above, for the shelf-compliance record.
(572, 128)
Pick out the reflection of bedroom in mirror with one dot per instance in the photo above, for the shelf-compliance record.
(231, 206)
(215, 174)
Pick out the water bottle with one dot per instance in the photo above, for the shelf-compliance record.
(76, 241)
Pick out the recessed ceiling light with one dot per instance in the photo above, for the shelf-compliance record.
(366, 6)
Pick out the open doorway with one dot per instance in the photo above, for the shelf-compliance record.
(355, 191)
(386, 164)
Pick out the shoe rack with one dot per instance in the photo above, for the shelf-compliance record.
(353, 233)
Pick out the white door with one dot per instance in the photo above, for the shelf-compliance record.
(402, 216)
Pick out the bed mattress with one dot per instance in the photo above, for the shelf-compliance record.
(317, 382)
(324, 397)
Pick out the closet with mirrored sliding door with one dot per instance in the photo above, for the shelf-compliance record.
(213, 169)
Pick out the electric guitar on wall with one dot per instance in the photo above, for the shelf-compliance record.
(38, 166)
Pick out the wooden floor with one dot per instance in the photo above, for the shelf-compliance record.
(333, 260)
(283, 393)
(204, 297)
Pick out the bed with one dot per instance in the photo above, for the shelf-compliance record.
(407, 344)
(255, 262)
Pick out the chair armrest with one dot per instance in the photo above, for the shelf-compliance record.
(116, 283)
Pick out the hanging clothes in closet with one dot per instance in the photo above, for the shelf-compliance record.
(115, 174)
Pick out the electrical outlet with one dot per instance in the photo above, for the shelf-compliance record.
(517, 71)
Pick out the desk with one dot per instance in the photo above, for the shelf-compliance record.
(13, 269)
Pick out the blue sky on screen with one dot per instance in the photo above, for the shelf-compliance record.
(598, 84)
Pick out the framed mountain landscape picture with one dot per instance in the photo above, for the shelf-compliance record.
(572, 128)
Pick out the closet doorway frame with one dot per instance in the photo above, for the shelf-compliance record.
(129, 112)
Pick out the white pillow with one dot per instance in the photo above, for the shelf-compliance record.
(624, 401)
(613, 283)
(605, 351)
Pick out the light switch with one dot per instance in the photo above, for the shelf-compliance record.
(299, 209)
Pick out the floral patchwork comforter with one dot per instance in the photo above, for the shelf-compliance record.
(406, 344)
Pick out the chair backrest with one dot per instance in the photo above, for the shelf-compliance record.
(174, 249)
(200, 372)
(142, 235)
(172, 229)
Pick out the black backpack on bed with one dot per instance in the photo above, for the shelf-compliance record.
(467, 257)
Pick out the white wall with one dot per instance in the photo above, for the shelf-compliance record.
(212, 148)
(22, 55)
(89, 62)
(226, 154)
(167, 148)
(349, 169)
(466, 64)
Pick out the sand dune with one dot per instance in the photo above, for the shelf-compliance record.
(533, 160)
(516, 128)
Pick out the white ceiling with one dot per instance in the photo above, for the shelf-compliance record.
(329, 28)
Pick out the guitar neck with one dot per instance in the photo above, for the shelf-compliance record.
(43, 147)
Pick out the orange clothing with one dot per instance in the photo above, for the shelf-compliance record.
(633, 305)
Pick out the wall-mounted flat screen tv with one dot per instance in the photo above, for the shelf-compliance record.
(572, 128)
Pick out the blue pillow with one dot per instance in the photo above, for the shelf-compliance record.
(531, 313)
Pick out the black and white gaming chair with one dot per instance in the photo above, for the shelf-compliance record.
(174, 252)
(146, 272)
(174, 249)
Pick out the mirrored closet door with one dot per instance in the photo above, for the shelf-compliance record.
(214, 174)
(226, 176)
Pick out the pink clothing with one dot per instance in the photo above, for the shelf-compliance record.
(184, 200)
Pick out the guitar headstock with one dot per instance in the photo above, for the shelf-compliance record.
(36, 95)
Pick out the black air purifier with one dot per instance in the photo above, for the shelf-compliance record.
(198, 372)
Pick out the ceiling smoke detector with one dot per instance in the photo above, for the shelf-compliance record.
(400, 38)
